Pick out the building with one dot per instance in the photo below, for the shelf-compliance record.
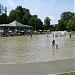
(14, 28)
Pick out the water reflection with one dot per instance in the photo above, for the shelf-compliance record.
(54, 52)
(23, 49)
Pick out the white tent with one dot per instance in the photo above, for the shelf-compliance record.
(1, 31)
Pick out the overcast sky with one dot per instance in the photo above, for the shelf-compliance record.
(42, 8)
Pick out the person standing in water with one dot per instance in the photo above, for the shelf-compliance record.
(53, 34)
(31, 34)
(53, 43)
(56, 46)
(70, 35)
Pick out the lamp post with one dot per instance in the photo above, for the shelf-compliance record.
(35, 24)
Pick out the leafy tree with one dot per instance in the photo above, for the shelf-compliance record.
(47, 22)
(44, 27)
(26, 18)
(3, 19)
(56, 27)
(62, 25)
(19, 14)
(36, 22)
(33, 21)
(52, 27)
(12, 16)
(71, 24)
(65, 18)
(23, 16)
(39, 24)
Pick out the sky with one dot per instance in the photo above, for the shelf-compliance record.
(43, 8)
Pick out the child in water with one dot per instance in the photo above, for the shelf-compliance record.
(53, 43)
(56, 46)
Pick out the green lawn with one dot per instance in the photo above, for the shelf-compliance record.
(71, 73)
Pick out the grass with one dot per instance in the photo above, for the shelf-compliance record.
(70, 73)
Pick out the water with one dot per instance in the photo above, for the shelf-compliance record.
(24, 49)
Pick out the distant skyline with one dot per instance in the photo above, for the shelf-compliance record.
(43, 8)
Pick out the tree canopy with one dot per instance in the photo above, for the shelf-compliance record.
(71, 24)
(65, 20)
(3, 19)
(47, 22)
(23, 15)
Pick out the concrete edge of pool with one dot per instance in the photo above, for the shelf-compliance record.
(51, 67)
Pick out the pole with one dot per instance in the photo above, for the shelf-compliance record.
(35, 25)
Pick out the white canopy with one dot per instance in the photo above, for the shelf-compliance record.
(22, 31)
(40, 30)
(1, 31)
(10, 31)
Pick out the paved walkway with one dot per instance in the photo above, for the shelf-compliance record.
(43, 68)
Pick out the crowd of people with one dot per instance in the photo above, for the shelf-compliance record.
(54, 44)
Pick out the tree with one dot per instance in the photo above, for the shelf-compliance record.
(71, 24)
(20, 14)
(33, 21)
(15, 15)
(65, 18)
(47, 22)
(44, 27)
(56, 27)
(62, 25)
(3, 19)
(26, 18)
(12, 16)
(39, 24)
(23, 16)
(52, 27)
